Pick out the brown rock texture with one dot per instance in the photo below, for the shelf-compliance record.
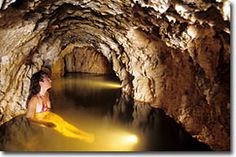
(87, 60)
(173, 55)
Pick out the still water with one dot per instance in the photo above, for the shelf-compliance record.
(95, 105)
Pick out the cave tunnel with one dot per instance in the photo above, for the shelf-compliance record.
(159, 67)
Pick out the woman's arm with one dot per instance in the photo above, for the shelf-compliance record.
(31, 107)
(48, 102)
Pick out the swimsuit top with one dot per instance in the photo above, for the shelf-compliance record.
(40, 108)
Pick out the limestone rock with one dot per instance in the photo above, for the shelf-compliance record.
(86, 60)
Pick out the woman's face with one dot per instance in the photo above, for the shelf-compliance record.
(46, 82)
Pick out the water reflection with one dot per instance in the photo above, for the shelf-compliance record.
(118, 123)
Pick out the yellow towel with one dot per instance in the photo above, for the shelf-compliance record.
(57, 123)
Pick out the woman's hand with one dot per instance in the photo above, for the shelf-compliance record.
(48, 109)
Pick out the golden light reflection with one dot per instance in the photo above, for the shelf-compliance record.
(124, 139)
(116, 140)
(88, 83)
(132, 139)
(106, 136)
(107, 84)
(94, 83)
(57, 123)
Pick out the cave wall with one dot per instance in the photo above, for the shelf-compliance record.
(173, 55)
(86, 60)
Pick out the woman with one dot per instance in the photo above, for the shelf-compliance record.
(39, 105)
(39, 96)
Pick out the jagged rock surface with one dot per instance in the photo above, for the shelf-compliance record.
(87, 60)
(173, 55)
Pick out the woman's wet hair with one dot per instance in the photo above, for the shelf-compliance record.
(34, 82)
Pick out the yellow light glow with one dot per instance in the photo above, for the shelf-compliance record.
(121, 141)
(87, 83)
(127, 139)
(108, 138)
(108, 84)
(95, 83)
(132, 139)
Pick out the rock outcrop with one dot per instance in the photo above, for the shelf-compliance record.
(173, 55)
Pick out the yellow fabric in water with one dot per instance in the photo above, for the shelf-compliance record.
(57, 123)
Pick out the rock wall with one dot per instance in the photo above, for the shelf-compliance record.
(173, 55)
(86, 60)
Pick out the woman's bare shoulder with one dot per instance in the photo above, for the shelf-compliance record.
(33, 100)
